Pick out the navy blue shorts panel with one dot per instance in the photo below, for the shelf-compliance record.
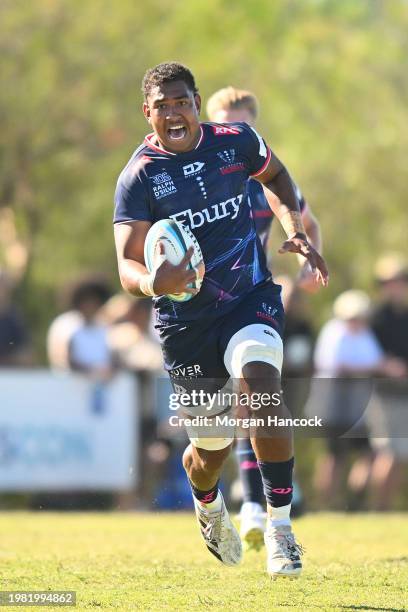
(196, 351)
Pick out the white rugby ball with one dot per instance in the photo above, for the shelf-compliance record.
(176, 239)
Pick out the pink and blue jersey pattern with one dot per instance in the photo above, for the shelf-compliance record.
(205, 189)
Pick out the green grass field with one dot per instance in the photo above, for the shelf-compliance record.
(158, 562)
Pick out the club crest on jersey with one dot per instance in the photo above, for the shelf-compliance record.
(192, 169)
(228, 157)
(229, 208)
(163, 185)
(221, 130)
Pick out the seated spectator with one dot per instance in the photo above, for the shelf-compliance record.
(89, 350)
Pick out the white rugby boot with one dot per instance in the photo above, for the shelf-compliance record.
(252, 525)
(283, 553)
(219, 534)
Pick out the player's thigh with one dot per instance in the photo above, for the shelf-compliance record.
(252, 336)
(197, 371)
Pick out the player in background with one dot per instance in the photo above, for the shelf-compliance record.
(229, 105)
(232, 327)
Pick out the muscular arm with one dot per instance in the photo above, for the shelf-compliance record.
(277, 182)
(129, 242)
(312, 228)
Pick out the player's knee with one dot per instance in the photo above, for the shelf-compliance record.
(254, 344)
(259, 377)
(188, 459)
(211, 461)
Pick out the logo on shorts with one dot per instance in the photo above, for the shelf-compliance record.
(268, 312)
(191, 371)
(268, 333)
(269, 309)
(179, 389)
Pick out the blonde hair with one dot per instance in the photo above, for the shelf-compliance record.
(230, 98)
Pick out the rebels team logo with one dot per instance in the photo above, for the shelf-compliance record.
(267, 313)
(228, 157)
(221, 130)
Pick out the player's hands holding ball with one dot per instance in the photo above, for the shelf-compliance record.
(174, 259)
(173, 279)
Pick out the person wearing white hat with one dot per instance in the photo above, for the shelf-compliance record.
(347, 351)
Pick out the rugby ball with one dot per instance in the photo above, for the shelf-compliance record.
(176, 239)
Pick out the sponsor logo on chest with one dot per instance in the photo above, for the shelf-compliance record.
(229, 208)
(163, 185)
(194, 168)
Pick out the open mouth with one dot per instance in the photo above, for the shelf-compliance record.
(177, 132)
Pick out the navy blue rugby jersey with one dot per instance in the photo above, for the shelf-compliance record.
(204, 189)
(261, 211)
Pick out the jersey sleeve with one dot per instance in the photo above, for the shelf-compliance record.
(131, 198)
(254, 149)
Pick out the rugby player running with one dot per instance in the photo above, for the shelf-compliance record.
(230, 105)
(232, 327)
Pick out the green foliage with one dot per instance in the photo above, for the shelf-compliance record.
(333, 88)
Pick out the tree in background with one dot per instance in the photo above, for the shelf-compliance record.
(333, 87)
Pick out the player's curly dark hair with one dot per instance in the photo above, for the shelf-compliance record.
(167, 72)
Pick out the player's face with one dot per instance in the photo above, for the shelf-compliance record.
(236, 115)
(172, 110)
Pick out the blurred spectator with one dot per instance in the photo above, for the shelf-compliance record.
(65, 325)
(136, 348)
(78, 340)
(59, 335)
(298, 346)
(348, 351)
(15, 349)
(297, 361)
(89, 350)
(389, 414)
(129, 335)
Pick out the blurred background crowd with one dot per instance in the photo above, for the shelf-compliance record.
(333, 91)
(352, 371)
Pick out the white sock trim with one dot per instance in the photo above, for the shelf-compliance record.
(279, 516)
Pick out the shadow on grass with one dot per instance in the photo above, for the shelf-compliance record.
(373, 608)
(396, 560)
